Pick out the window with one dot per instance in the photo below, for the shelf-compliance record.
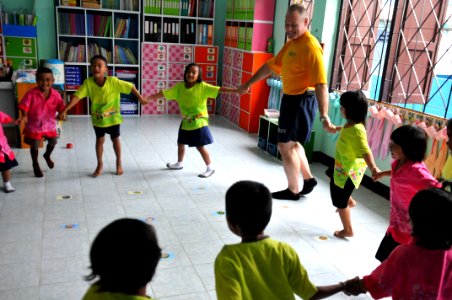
(397, 52)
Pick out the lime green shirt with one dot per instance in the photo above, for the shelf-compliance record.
(93, 294)
(105, 100)
(446, 173)
(265, 269)
(192, 103)
(351, 146)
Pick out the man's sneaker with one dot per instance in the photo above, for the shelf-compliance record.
(308, 186)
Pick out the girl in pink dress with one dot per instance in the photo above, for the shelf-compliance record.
(408, 176)
(421, 269)
(7, 160)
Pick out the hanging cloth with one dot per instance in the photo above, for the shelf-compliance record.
(441, 160)
(431, 159)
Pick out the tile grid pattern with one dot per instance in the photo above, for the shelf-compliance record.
(45, 237)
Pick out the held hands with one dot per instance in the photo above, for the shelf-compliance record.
(378, 174)
(22, 120)
(244, 88)
(353, 287)
(144, 100)
(329, 127)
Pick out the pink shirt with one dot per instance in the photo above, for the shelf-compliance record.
(405, 183)
(4, 147)
(412, 272)
(41, 113)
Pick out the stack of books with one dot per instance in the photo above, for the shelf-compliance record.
(91, 4)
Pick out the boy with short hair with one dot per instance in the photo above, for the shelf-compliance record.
(124, 257)
(260, 267)
(104, 92)
(39, 107)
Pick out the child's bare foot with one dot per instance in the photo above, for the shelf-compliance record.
(351, 202)
(343, 233)
(37, 170)
(119, 170)
(98, 170)
(49, 162)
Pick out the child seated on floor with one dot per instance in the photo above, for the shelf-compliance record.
(260, 267)
(422, 269)
(124, 256)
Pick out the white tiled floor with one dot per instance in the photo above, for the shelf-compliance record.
(39, 259)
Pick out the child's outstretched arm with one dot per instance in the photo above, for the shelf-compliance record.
(23, 118)
(71, 104)
(354, 287)
(155, 96)
(143, 100)
(328, 290)
(224, 89)
(369, 159)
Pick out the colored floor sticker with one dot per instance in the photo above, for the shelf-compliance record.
(147, 219)
(135, 192)
(218, 213)
(69, 226)
(167, 255)
(322, 238)
(63, 197)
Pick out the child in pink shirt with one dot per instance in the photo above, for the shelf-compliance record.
(421, 269)
(39, 107)
(7, 160)
(408, 176)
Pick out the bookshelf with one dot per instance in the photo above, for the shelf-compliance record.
(176, 33)
(110, 28)
(249, 25)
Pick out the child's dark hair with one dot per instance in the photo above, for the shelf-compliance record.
(100, 57)
(449, 123)
(355, 106)
(249, 206)
(430, 212)
(413, 141)
(124, 255)
(187, 68)
(43, 70)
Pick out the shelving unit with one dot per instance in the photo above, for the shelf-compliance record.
(249, 25)
(175, 34)
(268, 138)
(110, 28)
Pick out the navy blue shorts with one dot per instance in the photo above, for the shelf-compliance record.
(296, 117)
(195, 138)
(8, 164)
(113, 131)
(387, 245)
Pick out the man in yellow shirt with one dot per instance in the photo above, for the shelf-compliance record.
(300, 63)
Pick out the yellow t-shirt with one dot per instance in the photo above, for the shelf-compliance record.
(105, 100)
(265, 269)
(93, 294)
(350, 149)
(192, 103)
(447, 169)
(300, 63)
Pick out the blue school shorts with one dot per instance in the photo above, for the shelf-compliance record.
(296, 117)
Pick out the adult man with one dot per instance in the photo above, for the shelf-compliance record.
(300, 62)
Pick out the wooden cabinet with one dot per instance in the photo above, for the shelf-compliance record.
(249, 25)
(175, 34)
(163, 66)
